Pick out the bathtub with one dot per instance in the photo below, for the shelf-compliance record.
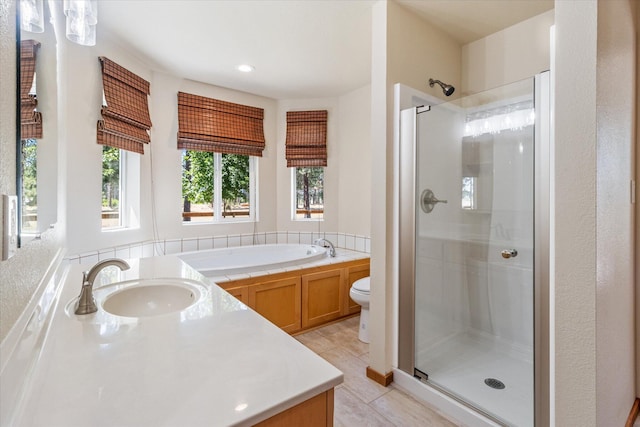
(245, 259)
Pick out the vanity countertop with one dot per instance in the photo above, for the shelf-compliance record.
(216, 364)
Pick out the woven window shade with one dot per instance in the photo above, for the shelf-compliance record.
(206, 124)
(31, 120)
(125, 119)
(306, 143)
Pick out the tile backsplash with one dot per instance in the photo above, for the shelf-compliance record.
(174, 246)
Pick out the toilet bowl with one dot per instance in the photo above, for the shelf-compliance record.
(359, 293)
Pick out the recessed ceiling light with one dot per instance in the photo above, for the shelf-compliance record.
(245, 68)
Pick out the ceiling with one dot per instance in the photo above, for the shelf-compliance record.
(299, 48)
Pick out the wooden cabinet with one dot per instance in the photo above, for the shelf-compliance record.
(322, 297)
(278, 301)
(241, 293)
(315, 412)
(353, 273)
(309, 297)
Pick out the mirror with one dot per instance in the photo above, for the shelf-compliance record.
(36, 150)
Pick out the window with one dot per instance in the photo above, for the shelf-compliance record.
(120, 188)
(217, 187)
(308, 193)
(469, 200)
(29, 160)
(111, 186)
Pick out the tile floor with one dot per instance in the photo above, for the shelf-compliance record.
(360, 401)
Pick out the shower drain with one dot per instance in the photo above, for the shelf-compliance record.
(494, 383)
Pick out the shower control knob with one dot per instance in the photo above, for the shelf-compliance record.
(509, 253)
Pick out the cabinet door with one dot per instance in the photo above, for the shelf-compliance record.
(278, 301)
(322, 297)
(353, 274)
(241, 293)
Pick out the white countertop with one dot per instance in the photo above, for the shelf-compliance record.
(218, 364)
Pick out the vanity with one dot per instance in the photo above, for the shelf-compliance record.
(214, 363)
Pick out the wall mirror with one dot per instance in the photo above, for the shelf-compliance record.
(36, 133)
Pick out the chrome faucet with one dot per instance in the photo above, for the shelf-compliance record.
(86, 302)
(326, 244)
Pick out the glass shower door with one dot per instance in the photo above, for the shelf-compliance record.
(473, 296)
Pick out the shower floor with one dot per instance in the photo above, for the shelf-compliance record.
(461, 364)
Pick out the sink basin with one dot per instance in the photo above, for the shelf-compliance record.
(153, 297)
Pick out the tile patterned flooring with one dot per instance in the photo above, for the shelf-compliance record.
(359, 401)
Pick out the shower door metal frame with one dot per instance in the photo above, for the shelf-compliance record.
(407, 199)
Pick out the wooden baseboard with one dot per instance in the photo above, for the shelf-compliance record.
(382, 379)
(633, 414)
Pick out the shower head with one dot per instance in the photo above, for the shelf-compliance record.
(447, 89)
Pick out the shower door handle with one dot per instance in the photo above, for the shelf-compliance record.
(509, 253)
(428, 200)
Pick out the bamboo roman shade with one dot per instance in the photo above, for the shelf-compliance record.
(306, 143)
(31, 120)
(206, 124)
(125, 119)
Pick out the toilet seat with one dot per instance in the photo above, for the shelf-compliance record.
(362, 285)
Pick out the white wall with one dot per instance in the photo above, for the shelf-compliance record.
(513, 54)
(615, 367)
(593, 286)
(404, 50)
(354, 148)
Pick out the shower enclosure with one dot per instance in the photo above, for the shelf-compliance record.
(473, 248)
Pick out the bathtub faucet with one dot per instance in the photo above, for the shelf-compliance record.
(86, 303)
(326, 244)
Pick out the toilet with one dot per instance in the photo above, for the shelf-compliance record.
(359, 293)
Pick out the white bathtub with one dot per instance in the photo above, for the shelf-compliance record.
(245, 259)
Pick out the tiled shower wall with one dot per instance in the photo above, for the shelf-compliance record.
(174, 246)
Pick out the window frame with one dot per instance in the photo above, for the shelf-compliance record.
(217, 202)
(294, 194)
(129, 192)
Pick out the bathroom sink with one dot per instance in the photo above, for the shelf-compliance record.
(152, 297)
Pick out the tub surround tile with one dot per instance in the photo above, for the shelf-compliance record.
(350, 242)
(306, 238)
(271, 238)
(89, 258)
(247, 240)
(106, 253)
(332, 237)
(189, 245)
(234, 241)
(158, 248)
(240, 276)
(123, 252)
(293, 237)
(135, 251)
(220, 242)
(205, 243)
(172, 247)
